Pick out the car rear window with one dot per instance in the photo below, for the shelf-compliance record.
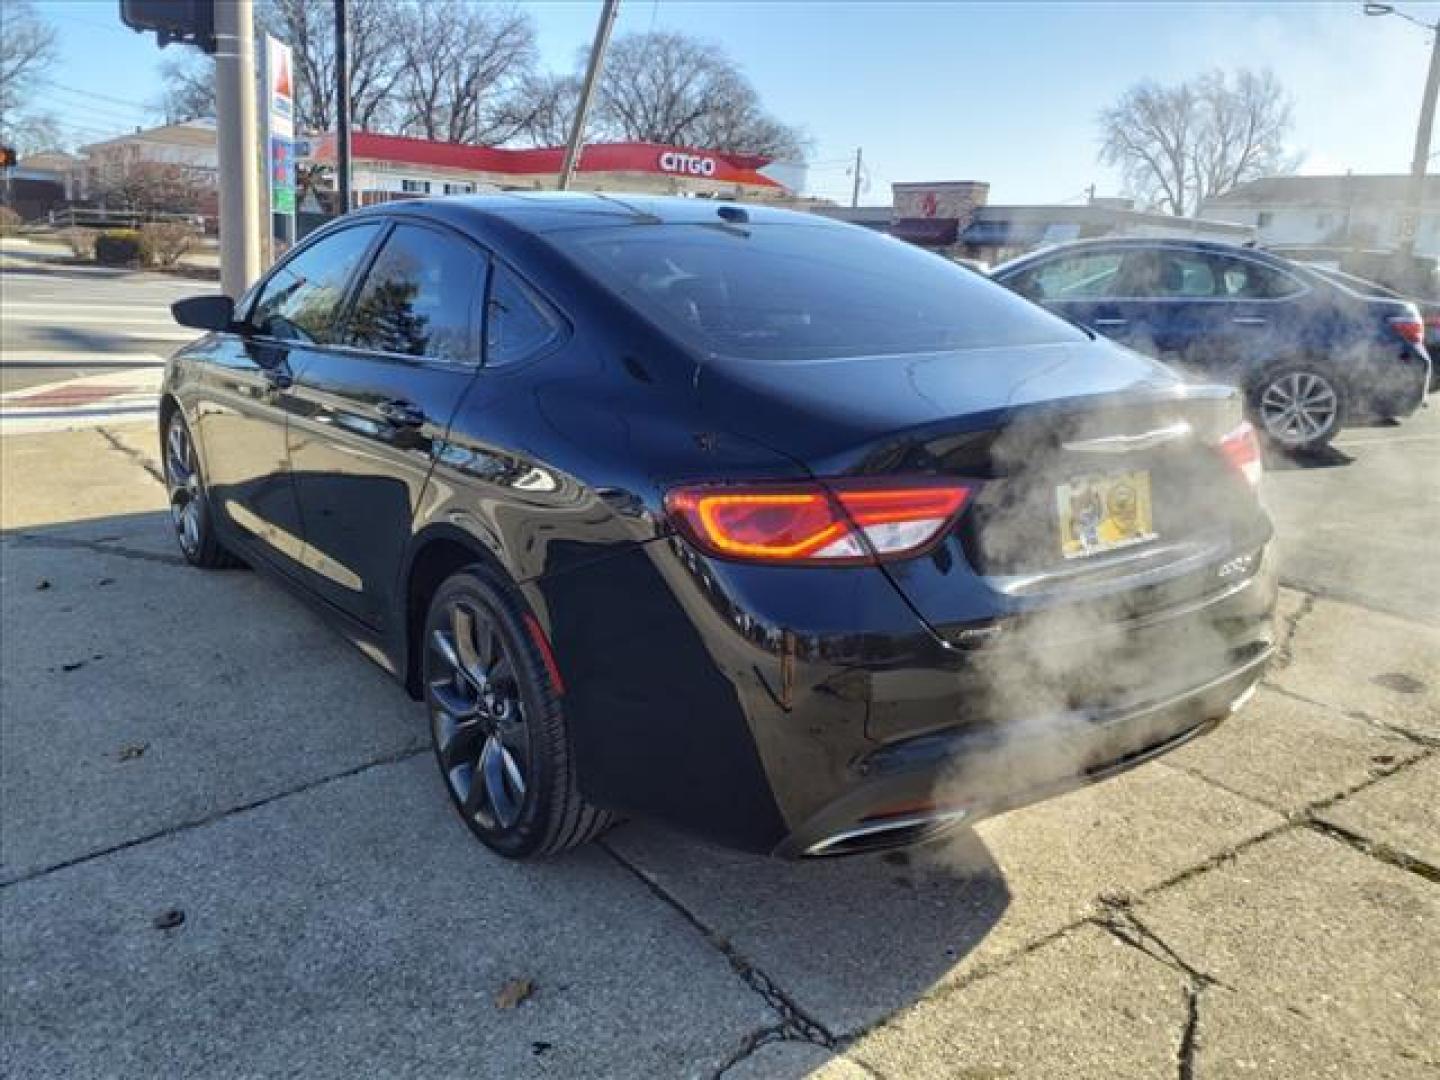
(775, 291)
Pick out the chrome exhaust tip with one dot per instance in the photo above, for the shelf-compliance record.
(888, 833)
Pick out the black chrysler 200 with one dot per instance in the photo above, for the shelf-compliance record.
(772, 528)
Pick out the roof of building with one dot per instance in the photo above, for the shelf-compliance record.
(190, 133)
(1324, 191)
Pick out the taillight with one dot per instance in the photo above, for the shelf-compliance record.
(840, 521)
(1241, 449)
(1409, 327)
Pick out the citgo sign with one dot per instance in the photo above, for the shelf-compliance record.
(675, 161)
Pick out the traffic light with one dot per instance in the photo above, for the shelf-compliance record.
(190, 21)
(8, 157)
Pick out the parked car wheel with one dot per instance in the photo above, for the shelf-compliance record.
(497, 723)
(189, 501)
(1299, 406)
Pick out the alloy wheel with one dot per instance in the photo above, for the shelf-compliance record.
(477, 717)
(1299, 407)
(182, 478)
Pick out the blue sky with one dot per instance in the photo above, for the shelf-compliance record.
(1004, 92)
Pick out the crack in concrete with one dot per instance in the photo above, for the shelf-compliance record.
(1119, 918)
(1427, 741)
(134, 455)
(795, 1022)
(221, 815)
(749, 1045)
(99, 547)
(1376, 849)
(1284, 654)
(1185, 1053)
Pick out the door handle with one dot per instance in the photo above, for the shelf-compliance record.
(278, 378)
(1110, 322)
(1248, 320)
(401, 413)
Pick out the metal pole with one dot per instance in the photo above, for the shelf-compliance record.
(855, 187)
(1422, 152)
(239, 163)
(587, 92)
(342, 105)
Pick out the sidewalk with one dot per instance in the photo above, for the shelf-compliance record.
(1263, 903)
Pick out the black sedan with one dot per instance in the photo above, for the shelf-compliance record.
(1310, 352)
(772, 528)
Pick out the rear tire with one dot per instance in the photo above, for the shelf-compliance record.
(497, 723)
(1300, 406)
(190, 500)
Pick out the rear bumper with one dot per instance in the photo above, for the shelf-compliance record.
(919, 788)
(1395, 385)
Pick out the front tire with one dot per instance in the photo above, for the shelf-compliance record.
(189, 501)
(497, 724)
(1299, 407)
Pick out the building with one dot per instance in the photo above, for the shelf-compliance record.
(954, 217)
(191, 146)
(1362, 212)
(385, 167)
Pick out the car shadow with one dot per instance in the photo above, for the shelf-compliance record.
(1323, 457)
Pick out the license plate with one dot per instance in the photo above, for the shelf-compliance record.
(1102, 513)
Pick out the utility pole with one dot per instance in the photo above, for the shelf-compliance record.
(342, 105)
(587, 92)
(855, 186)
(1410, 223)
(238, 146)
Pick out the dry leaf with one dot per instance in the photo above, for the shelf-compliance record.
(513, 993)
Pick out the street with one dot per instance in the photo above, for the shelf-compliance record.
(227, 849)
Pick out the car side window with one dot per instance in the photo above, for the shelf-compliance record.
(1246, 280)
(518, 323)
(420, 297)
(1168, 274)
(301, 300)
(1071, 277)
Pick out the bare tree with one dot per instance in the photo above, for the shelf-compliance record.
(1242, 136)
(28, 47)
(189, 87)
(308, 26)
(669, 87)
(544, 109)
(461, 65)
(150, 188)
(1178, 145)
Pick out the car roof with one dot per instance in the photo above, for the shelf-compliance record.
(1217, 247)
(549, 211)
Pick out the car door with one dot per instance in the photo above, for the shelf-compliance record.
(368, 414)
(245, 399)
(1261, 314)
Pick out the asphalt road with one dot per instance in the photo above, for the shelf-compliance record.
(60, 323)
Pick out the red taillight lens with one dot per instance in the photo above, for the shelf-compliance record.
(1409, 327)
(837, 522)
(1242, 450)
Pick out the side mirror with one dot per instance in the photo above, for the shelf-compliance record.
(205, 312)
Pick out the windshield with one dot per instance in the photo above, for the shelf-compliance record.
(794, 291)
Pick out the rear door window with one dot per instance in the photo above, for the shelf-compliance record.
(420, 297)
(1242, 279)
(1085, 276)
(302, 299)
(1168, 274)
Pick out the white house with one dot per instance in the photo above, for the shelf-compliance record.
(1331, 211)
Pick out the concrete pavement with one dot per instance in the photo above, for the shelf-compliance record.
(1265, 902)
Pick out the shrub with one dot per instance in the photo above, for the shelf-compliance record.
(164, 243)
(119, 247)
(81, 242)
(10, 221)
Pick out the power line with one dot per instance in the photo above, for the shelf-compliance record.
(63, 88)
